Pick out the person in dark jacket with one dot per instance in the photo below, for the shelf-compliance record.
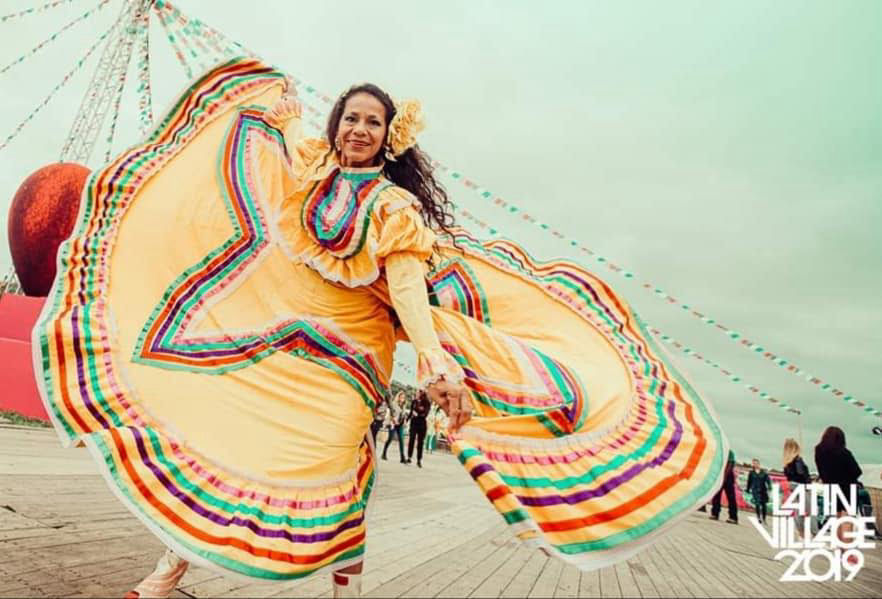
(419, 410)
(729, 489)
(798, 475)
(837, 466)
(758, 487)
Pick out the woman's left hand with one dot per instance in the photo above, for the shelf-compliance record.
(454, 399)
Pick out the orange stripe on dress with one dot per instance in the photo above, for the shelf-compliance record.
(203, 536)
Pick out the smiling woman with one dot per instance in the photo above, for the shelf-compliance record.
(361, 130)
(223, 324)
(365, 120)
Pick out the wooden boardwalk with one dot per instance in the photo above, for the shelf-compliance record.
(432, 534)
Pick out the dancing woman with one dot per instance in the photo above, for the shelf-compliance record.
(223, 324)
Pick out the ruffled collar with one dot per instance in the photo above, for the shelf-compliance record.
(336, 212)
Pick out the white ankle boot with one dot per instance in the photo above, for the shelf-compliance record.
(162, 581)
(346, 585)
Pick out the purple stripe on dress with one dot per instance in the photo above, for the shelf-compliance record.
(112, 185)
(471, 306)
(316, 346)
(245, 221)
(480, 469)
(220, 520)
(613, 315)
(81, 373)
(124, 166)
(615, 482)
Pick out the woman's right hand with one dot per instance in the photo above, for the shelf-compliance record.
(285, 108)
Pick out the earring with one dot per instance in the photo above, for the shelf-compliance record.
(337, 144)
(389, 155)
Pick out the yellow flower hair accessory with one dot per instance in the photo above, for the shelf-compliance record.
(407, 122)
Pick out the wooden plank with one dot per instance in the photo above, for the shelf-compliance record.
(627, 585)
(459, 563)
(435, 563)
(589, 584)
(677, 575)
(609, 583)
(469, 581)
(642, 580)
(523, 582)
(496, 583)
(713, 564)
(547, 581)
(511, 558)
(568, 585)
(666, 584)
(708, 579)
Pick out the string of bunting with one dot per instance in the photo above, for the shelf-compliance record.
(35, 9)
(145, 93)
(166, 20)
(54, 36)
(67, 77)
(202, 31)
(731, 375)
(179, 25)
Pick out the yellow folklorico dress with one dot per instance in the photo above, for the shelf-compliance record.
(224, 320)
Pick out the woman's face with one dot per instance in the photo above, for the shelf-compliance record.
(362, 130)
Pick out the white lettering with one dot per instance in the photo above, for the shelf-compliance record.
(825, 550)
(848, 503)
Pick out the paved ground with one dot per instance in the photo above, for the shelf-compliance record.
(432, 534)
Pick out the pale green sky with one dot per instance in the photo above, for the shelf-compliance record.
(728, 152)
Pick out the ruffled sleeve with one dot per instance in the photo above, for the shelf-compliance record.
(404, 246)
(401, 228)
(304, 153)
(405, 275)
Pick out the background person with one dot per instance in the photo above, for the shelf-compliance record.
(396, 428)
(758, 486)
(837, 466)
(729, 489)
(798, 476)
(419, 411)
(379, 419)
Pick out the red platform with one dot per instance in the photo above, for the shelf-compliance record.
(18, 387)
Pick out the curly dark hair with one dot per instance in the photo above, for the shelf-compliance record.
(412, 170)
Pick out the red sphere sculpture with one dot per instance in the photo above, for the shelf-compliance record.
(41, 216)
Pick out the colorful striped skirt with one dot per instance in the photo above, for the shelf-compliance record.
(226, 391)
